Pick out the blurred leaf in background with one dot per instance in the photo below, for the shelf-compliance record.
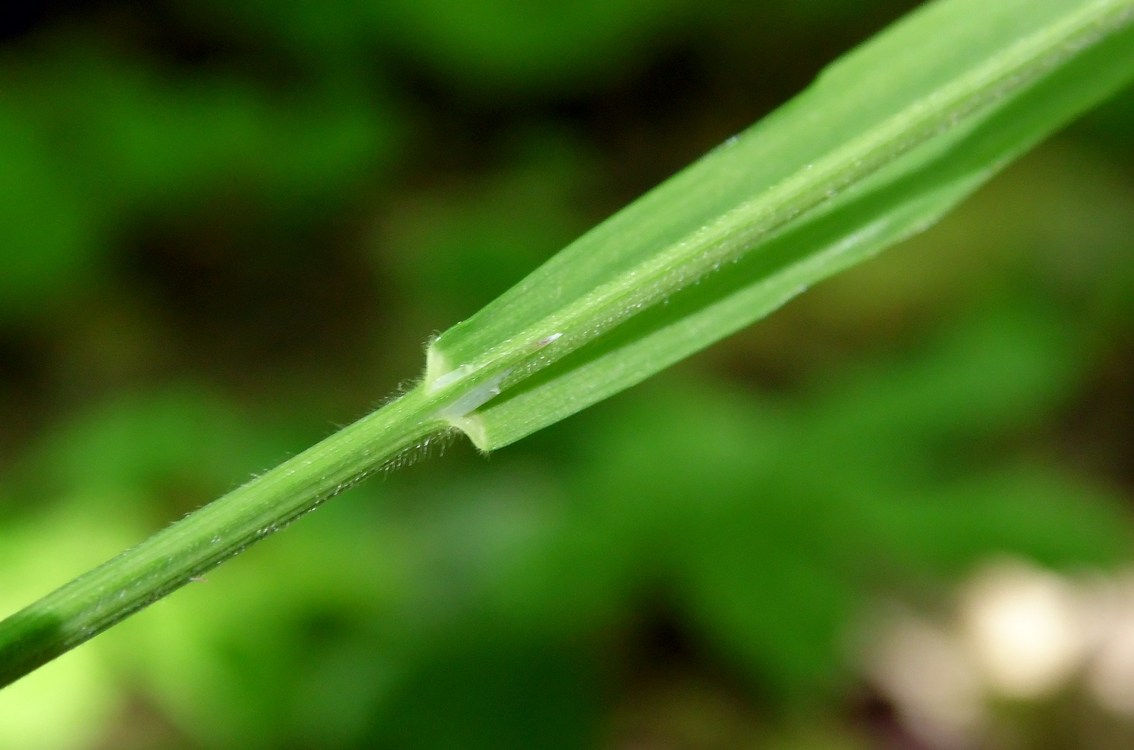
(227, 227)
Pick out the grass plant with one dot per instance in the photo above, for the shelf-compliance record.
(886, 141)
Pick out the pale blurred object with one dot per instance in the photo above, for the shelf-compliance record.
(1110, 671)
(931, 678)
(1023, 655)
(1025, 628)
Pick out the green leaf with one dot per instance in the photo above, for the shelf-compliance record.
(880, 146)
(883, 144)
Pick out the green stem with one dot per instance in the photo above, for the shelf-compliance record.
(202, 540)
(882, 145)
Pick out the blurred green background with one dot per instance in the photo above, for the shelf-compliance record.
(227, 228)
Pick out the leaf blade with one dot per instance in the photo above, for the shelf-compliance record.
(903, 104)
